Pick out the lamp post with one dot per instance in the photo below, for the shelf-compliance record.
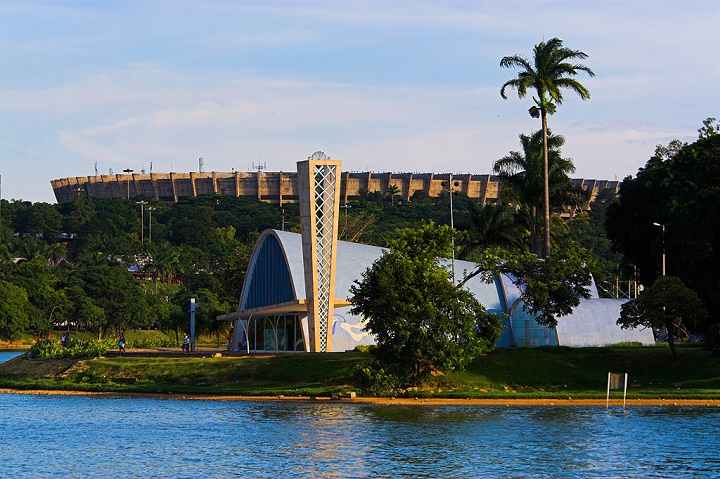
(452, 228)
(128, 171)
(346, 207)
(142, 220)
(663, 246)
(150, 210)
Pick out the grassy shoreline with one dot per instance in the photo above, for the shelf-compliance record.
(532, 375)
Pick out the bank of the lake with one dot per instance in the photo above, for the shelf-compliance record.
(523, 374)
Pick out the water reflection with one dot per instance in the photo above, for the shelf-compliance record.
(76, 436)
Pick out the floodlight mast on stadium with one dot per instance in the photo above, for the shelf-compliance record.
(128, 171)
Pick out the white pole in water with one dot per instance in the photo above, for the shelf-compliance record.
(192, 324)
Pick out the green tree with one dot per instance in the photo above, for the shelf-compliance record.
(588, 230)
(46, 299)
(420, 321)
(392, 191)
(45, 220)
(550, 287)
(549, 72)
(522, 175)
(668, 304)
(81, 309)
(118, 293)
(708, 129)
(14, 306)
(491, 226)
(681, 192)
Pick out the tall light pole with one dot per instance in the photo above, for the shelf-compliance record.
(663, 246)
(142, 220)
(128, 171)
(346, 207)
(150, 210)
(452, 228)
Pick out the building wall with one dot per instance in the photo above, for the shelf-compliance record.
(280, 187)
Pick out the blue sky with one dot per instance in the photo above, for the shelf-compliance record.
(381, 85)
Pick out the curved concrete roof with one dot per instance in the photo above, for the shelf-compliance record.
(592, 323)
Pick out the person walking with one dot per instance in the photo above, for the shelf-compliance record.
(186, 343)
(121, 343)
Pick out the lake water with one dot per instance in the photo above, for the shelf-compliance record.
(106, 437)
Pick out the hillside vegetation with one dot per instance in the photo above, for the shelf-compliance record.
(506, 373)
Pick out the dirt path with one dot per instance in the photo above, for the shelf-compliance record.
(396, 401)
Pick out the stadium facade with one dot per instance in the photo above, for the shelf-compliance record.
(282, 187)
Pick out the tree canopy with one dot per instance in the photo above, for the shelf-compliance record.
(418, 318)
(667, 304)
(680, 191)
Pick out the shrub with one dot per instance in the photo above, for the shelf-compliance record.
(376, 381)
(45, 349)
(79, 348)
(627, 344)
(151, 343)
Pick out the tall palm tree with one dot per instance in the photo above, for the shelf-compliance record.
(548, 74)
(522, 178)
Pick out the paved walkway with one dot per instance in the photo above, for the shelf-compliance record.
(171, 353)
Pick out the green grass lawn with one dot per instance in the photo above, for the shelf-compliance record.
(506, 373)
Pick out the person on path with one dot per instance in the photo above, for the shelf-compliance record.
(186, 343)
(62, 340)
(121, 343)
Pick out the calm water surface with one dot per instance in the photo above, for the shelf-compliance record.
(111, 437)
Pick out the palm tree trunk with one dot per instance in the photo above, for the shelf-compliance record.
(546, 174)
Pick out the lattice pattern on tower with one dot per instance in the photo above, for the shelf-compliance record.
(325, 184)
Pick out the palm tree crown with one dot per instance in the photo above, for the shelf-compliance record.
(549, 73)
(523, 181)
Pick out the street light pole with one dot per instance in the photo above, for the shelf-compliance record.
(452, 229)
(142, 220)
(150, 210)
(128, 171)
(663, 246)
(346, 207)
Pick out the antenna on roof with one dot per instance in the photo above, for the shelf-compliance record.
(259, 167)
(201, 165)
(96, 171)
(110, 171)
(151, 167)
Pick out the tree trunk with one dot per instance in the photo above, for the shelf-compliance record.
(546, 174)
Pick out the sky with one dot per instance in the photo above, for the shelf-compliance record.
(402, 86)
